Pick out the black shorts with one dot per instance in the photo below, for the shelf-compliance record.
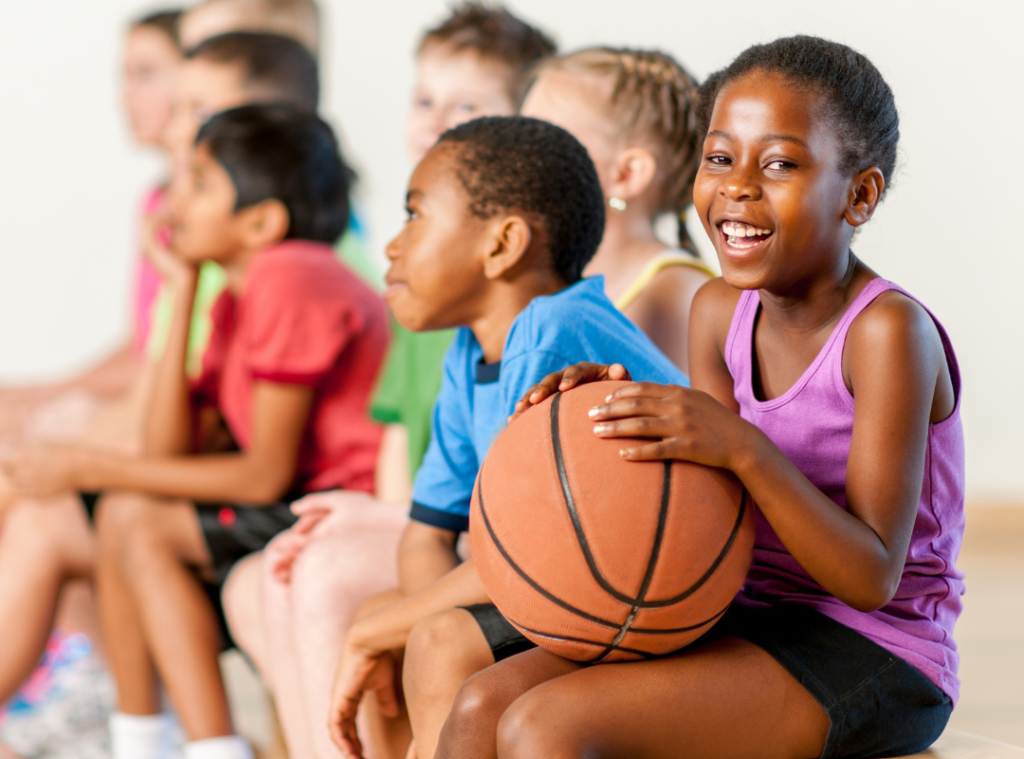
(232, 531)
(878, 704)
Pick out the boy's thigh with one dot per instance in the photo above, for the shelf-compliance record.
(725, 698)
(156, 524)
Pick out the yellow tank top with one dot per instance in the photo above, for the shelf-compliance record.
(654, 265)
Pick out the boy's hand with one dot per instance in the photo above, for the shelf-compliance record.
(359, 671)
(283, 550)
(156, 250)
(568, 378)
(685, 424)
(41, 471)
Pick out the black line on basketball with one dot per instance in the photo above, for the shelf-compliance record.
(652, 631)
(714, 565)
(519, 571)
(570, 639)
(652, 562)
(570, 503)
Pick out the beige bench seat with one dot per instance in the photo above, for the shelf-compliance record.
(956, 744)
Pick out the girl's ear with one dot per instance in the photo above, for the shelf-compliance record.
(509, 244)
(264, 224)
(633, 172)
(865, 194)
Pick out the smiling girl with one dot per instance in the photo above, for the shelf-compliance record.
(834, 396)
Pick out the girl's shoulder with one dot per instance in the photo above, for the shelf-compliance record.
(714, 306)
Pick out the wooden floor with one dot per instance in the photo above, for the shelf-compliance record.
(990, 635)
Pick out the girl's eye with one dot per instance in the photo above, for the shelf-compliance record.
(779, 165)
(409, 214)
(422, 103)
(718, 160)
(467, 107)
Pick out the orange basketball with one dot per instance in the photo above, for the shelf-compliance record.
(600, 559)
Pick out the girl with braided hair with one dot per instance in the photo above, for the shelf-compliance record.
(636, 113)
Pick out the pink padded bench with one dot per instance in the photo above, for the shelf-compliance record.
(956, 744)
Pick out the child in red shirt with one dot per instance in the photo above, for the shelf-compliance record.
(297, 344)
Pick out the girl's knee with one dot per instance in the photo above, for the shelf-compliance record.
(240, 595)
(433, 652)
(532, 727)
(128, 530)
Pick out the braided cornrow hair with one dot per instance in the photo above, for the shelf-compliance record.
(653, 96)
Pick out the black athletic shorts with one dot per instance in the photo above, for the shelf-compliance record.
(878, 704)
(232, 531)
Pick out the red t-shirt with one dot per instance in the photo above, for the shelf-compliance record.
(302, 318)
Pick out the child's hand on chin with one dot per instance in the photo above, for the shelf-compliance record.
(41, 471)
(568, 378)
(683, 424)
(157, 251)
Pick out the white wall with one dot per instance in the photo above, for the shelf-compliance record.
(948, 232)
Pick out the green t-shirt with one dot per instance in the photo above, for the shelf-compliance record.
(409, 385)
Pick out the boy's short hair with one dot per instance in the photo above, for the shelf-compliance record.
(281, 68)
(165, 21)
(282, 153)
(517, 163)
(492, 32)
(298, 19)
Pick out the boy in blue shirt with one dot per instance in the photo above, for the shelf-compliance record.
(503, 215)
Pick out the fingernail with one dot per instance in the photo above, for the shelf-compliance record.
(626, 452)
(608, 399)
(594, 412)
(600, 429)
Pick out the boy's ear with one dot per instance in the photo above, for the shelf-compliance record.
(508, 245)
(264, 224)
(865, 194)
(633, 172)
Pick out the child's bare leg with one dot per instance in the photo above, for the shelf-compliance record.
(43, 544)
(471, 730)
(242, 598)
(727, 698)
(158, 544)
(444, 650)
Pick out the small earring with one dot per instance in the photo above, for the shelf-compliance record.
(617, 203)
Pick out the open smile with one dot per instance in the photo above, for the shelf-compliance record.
(742, 239)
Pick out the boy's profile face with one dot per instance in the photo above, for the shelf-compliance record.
(204, 223)
(437, 273)
(151, 64)
(453, 87)
(204, 88)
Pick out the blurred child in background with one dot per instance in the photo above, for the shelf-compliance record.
(63, 708)
(290, 610)
(298, 19)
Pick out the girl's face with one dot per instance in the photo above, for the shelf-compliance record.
(453, 87)
(151, 64)
(568, 100)
(770, 190)
(436, 263)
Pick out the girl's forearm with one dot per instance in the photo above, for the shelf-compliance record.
(232, 477)
(168, 428)
(840, 551)
(389, 628)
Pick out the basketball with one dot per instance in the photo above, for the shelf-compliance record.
(599, 559)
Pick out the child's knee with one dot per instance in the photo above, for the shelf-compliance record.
(240, 595)
(530, 728)
(127, 530)
(433, 652)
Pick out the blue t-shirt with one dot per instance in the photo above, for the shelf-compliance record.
(553, 332)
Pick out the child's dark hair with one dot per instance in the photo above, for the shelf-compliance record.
(518, 163)
(165, 21)
(857, 99)
(280, 69)
(491, 31)
(290, 155)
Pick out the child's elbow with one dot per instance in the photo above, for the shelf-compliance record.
(872, 596)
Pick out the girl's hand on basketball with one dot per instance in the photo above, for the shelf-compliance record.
(42, 471)
(682, 424)
(358, 672)
(567, 379)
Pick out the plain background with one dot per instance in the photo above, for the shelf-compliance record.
(950, 231)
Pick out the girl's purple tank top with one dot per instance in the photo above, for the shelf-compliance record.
(812, 423)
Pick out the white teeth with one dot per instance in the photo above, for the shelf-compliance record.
(737, 229)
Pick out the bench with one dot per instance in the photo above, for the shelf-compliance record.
(956, 744)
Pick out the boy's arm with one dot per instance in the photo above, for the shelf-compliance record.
(425, 554)
(168, 427)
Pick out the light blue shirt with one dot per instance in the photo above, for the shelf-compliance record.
(553, 332)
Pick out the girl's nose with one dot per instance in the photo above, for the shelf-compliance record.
(741, 184)
(391, 249)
